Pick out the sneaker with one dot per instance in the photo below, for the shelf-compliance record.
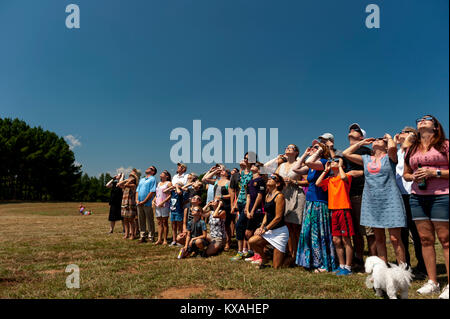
(429, 288)
(142, 240)
(257, 260)
(337, 270)
(444, 294)
(248, 254)
(181, 253)
(179, 245)
(238, 256)
(254, 257)
(344, 272)
(173, 243)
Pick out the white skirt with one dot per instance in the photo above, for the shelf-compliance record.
(278, 238)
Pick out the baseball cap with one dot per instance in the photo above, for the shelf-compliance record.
(181, 164)
(314, 142)
(327, 136)
(356, 127)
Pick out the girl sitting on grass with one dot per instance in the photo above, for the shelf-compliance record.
(217, 216)
(196, 238)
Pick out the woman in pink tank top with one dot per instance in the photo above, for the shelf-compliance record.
(426, 164)
(162, 209)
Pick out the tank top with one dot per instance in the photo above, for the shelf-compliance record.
(160, 195)
(269, 208)
(220, 191)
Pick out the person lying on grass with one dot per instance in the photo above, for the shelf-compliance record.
(83, 211)
(217, 235)
(196, 238)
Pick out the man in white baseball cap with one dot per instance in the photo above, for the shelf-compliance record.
(357, 128)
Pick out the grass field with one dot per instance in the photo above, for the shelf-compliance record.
(38, 241)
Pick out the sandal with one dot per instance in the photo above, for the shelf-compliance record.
(319, 270)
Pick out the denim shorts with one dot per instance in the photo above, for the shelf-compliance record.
(429, 207)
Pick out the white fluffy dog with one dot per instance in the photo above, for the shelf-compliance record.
(394, 280)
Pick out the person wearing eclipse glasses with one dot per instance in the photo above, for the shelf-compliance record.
(426, 165)
(382, 204)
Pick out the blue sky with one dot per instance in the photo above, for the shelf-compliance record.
(136, 70)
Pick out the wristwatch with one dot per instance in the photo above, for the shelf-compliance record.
(438, 173)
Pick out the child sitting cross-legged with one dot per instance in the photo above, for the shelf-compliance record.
(338, 186)
(196, 237)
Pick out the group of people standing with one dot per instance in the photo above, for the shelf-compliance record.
(312, 209)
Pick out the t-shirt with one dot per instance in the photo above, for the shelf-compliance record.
(404, 186)
(146, 186)
(254, 187)
(179, 178)
(357, 186)
(315, 193)
(196, 228)
(433, 159)
(338, 192)
(245, 178)
(175, 202)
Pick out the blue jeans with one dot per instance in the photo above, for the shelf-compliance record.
(241, 224)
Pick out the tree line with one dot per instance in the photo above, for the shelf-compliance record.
(39, 165)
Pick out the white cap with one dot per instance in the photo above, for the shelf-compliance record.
(356, 127)
(327, 136)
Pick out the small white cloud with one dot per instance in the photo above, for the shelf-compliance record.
(72, 141)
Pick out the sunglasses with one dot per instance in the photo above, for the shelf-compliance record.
(380, 139)
(274, 177)
(406, 132)
(333, 160)
(425, 118)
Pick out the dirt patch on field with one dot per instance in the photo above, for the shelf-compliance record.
(231, 294)
(188, 292)
(181, 293)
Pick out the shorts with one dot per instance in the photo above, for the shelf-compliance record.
(429, 207)
(217, 241)
(356, 218)
(176, 216)
(255, 222)
(162, 211)
(341, 223)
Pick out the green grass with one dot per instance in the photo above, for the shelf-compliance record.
(38, 241)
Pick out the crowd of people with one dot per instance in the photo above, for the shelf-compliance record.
(314, 209)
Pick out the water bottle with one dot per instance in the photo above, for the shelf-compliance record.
(422, 183)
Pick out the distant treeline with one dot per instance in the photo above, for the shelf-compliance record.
(39, 165)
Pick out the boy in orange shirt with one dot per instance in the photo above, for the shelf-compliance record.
(338, 186)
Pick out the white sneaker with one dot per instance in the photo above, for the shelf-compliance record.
(444, 294)
(429, 288)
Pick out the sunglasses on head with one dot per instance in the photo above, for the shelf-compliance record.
(425, 118)
(274, 177)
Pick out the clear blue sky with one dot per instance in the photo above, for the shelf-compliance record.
(138, 69)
